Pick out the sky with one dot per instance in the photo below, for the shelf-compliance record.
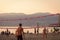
(29, 6)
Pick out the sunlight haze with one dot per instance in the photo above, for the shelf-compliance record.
(29, 6)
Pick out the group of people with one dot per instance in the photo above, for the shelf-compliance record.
(19, 32)
(7, 32)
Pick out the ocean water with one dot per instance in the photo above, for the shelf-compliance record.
(12, 29)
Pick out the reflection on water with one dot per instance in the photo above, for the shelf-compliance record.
(12, 29)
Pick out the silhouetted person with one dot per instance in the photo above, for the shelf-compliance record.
(56, 29)
(7, 32)
(19, 32)
(2, 33)
(44, 33)
(35, 30)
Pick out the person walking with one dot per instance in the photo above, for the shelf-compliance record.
(19, 32)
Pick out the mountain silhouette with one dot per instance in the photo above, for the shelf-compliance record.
(32, 19)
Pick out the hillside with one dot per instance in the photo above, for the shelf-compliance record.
(32, 22)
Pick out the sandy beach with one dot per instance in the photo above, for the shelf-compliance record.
(50, 36)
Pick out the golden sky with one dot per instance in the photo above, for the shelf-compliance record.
(29, 6)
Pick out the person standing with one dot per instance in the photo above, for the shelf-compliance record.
(45, 33)
(7, 32)
(19, 32)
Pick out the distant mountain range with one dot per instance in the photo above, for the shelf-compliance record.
(31, 22)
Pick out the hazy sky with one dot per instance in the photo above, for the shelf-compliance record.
(29, 6)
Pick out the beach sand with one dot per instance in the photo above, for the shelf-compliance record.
(50, 36)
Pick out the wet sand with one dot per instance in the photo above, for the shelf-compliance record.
(50, 36)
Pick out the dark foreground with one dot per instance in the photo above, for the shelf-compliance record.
(51, 36)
